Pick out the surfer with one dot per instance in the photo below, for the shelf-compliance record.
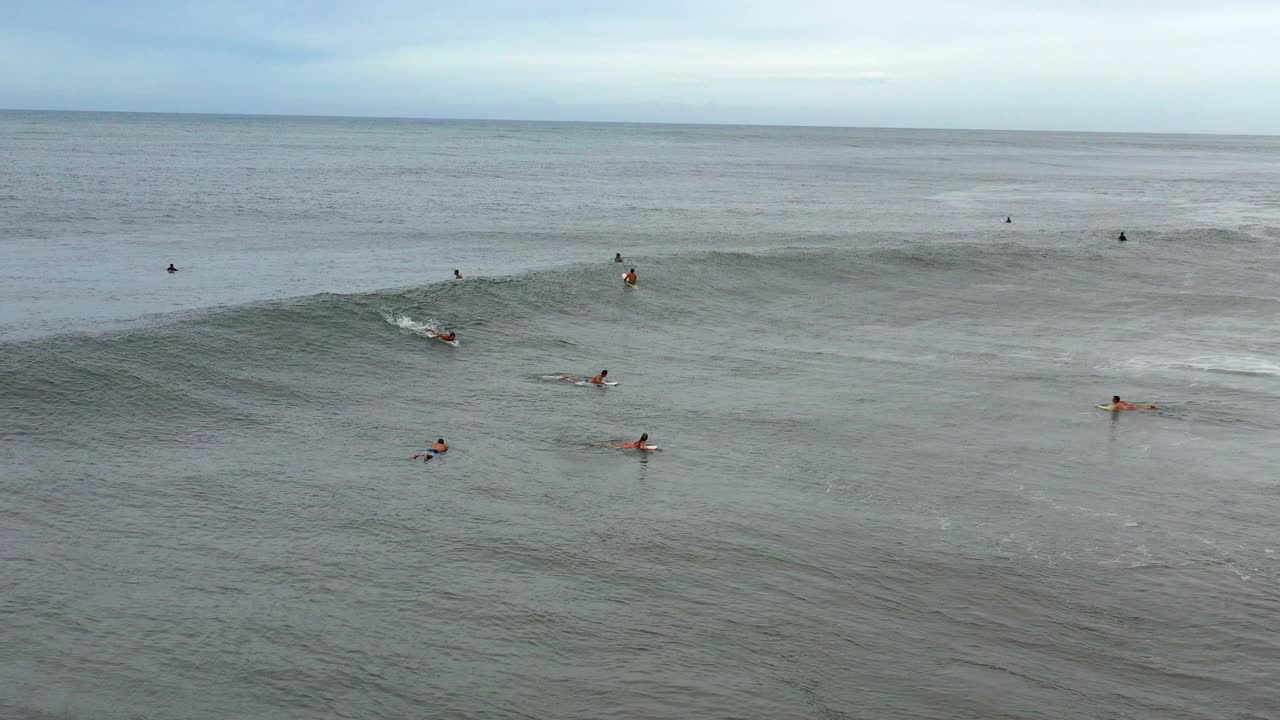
(171, 268)
(630, 278)
(1122, 238)
(1118, 404)
(641, 444)
(438, 448)
(617, 257)
(457, 275)
(445, 336)
(1008, 219)
(597, 380)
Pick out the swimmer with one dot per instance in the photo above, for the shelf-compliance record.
(171, 268)
(630, 278)
(447, 337)
(1118, 404)
(617, 257)
(457, 275)
(1122, 238)
(438, 448)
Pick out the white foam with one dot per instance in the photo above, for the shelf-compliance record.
(1244, 365)
(425, 329)
(405, 322)
(1233, 364)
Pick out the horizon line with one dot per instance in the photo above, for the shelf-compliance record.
(635, 122)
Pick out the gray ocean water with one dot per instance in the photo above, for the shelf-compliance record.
(884, 489)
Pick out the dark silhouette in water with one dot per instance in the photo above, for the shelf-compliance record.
(1122, 238)
(171, 268)
(1008, 219)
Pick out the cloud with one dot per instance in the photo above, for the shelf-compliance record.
(1083, 64)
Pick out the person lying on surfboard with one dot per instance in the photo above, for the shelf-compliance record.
(437, 448)
(597, 380)
(630, 278)
(641, 444)
(447, 337)
(1118, 404)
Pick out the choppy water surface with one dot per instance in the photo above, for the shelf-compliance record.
(884, 490)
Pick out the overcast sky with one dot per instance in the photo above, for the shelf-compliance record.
(1171, 66)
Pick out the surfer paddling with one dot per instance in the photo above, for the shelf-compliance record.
(597, 380)
(641, 444)
(1118, 404)
(445, 336)
(439, 447)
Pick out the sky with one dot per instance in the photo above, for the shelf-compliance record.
(1095, 65)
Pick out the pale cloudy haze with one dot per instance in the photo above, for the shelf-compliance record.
(1110, 66)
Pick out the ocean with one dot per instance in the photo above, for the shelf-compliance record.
(883, 490)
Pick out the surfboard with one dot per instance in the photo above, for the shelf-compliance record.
(587, 383)
(451, 343)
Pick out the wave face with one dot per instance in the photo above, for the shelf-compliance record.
(880, 459)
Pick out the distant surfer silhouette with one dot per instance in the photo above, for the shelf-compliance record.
(1122, 238)
(617, 257)
(1008, 219)
(171, 268)
(457, 275)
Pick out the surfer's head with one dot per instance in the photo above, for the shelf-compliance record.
(644, 436)
(440, 440)
(633, 269)
(1115, 398)
(604, 373)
